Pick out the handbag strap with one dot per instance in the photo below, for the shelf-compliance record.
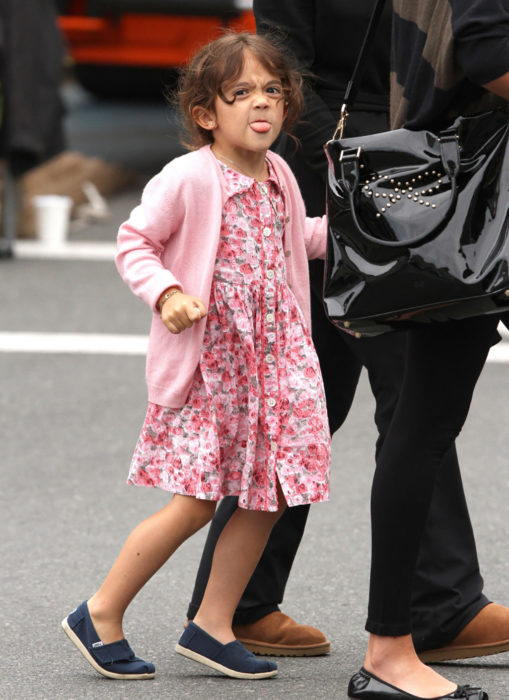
(353, 85)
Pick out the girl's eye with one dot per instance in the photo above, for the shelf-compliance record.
(240, 92)
(274, 90)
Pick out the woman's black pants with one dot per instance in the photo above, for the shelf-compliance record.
(443, 363)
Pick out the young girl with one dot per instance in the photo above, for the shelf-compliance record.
(218, 249)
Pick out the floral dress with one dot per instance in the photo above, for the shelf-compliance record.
(256, 409)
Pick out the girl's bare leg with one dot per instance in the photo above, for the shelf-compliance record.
(237, 552)
(146, 549)
(393, 659)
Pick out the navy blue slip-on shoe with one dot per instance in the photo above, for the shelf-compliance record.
(115, 660)
(366, 686)
(232, 659)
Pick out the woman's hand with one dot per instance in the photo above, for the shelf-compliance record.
(180, 311)
(500, 86)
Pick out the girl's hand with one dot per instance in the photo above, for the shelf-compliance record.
(180, 311)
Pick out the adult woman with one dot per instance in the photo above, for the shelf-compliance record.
(444, 51)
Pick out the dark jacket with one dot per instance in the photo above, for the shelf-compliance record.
(326, 36)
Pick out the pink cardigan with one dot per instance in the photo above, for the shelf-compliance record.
(171, 239)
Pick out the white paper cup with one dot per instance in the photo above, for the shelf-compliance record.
(52, 215)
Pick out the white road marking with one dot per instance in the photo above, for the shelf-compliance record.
(119, 344)
(88, 343)
(75, 250)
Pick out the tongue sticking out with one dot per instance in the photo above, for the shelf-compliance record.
(260, 127)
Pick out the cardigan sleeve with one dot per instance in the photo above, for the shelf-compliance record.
(142, 238)
(316, 236)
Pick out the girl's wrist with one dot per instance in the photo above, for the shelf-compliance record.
(167, 294)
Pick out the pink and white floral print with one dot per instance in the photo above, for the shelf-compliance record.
(256, 410)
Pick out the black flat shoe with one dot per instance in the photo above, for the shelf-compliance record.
(365, 686)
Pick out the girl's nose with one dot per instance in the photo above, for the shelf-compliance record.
(260, 99)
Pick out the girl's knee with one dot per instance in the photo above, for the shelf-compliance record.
(199, 512)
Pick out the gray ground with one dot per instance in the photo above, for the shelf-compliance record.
(69, 423)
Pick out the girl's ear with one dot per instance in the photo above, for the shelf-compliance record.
(204, 118)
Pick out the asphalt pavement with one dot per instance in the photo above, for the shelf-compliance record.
(69, 421)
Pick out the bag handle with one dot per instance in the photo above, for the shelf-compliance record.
(353, 85)
(350, 174)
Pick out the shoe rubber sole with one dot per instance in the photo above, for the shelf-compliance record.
(282, 650)
(467, 652)
(108, 674)
(219, 667)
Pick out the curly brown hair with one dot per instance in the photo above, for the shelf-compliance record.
(220, 62)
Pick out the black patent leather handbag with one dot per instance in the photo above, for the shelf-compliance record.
(418, 222)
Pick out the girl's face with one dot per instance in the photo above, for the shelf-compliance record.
(251, 123)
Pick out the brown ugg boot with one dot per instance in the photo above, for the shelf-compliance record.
(487, 633)
(276, 634)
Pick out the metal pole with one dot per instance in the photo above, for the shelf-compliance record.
(9, 212)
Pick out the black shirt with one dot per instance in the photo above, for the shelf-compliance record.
(326, 36)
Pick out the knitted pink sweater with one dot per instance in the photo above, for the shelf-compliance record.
(171, 239)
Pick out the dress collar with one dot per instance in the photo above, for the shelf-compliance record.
(236, 183)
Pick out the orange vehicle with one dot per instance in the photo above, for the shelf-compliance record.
(126, 47)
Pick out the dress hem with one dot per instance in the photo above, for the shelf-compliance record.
(214, 497)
